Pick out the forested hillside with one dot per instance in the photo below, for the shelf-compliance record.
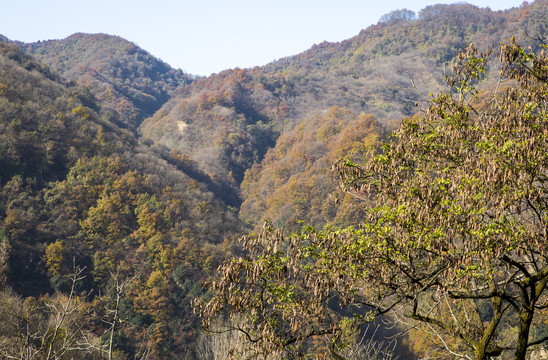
(386, 71)
(130, 83)
(124, 183)
(78, 192)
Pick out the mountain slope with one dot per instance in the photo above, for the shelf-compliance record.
(225, 123)
(79, 187)
(118, 73)
(79, 192)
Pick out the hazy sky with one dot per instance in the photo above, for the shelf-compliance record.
(206, 36)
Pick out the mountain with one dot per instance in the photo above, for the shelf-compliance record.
(227, 122)
(114, 162)
(79, 194)
(129, 82)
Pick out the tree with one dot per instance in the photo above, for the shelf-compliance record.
(119, 290)
(48, 328)
(4, 258)
(222, 341)
(455, 239)
(55, 255)
(398, 15)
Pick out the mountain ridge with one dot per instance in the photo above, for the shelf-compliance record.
(80, 193)
(386, 70)
(118, 72)
(111, 159)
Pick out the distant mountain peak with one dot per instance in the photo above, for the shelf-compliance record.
(119, 73)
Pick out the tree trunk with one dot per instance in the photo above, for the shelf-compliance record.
(480, 352)
(525, 320)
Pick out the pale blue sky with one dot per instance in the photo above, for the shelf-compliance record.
(206, 36)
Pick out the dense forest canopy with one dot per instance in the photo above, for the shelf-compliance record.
(124, 184)
(129, 82)
(80, 192)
